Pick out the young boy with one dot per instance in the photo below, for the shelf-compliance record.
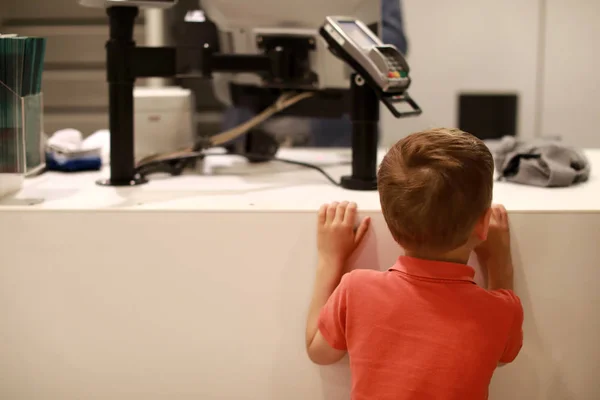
(422, 329)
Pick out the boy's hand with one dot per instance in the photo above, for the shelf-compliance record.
(497, 245)
(336, 236)
(336, 241)
(494, 254)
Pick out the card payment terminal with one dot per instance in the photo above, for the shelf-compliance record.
(381, 74)
(382, 66)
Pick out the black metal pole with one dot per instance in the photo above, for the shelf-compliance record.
(365, 131)
(121, 79)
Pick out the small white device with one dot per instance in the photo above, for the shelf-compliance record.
(163, 120)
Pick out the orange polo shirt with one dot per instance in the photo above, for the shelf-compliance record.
(422, 330)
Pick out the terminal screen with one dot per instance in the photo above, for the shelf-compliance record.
(357, 34)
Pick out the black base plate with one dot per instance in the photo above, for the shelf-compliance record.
(135, 181)
(352, 183)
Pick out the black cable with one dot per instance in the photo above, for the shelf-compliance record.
(175, 165)
(293, 162)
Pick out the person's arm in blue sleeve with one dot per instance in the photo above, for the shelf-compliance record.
(392, 24)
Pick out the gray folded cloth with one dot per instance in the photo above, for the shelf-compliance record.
(540, 163)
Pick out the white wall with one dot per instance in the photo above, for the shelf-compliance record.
(468, 46)
(570, 103)
(546, 50)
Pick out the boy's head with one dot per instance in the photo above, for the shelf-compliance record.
(435, 189)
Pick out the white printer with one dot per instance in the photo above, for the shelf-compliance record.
(163, 120)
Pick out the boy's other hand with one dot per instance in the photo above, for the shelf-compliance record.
(336, 234)
(496, 249)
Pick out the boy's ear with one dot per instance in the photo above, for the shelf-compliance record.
(483, 225)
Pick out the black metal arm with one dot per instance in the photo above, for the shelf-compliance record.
(120, 55)
(125, 62)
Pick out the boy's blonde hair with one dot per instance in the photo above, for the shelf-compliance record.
(433, 186)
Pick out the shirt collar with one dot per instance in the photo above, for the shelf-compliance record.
(439, 270)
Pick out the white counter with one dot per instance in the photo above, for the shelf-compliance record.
(231, 184)
(196, 287)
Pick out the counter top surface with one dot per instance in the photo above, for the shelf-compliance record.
(228, 183)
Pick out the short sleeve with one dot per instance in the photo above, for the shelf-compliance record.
(515, 336)
(332, 320)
